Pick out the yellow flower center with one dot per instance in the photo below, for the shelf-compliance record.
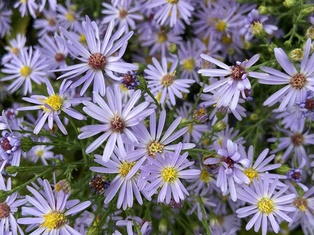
(82, 38)
(25, 71)
(40, 153)
(162, 37)
(298, 81)
(189, 64)
(169, 174)
(226, 40)
(125, 167)
(54, 220)
(265, 205)
(70, 16)
(155, 147)
(173, 1)
(167, 80)
(23, 1)
(251, 174)
(205, 176)
(221, 26)
(54, 101)
(300, 203)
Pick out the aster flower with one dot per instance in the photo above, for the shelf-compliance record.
(125, 181)
(52, 5)
(41, 152)
(16, 45)
(155, 141)
(292, 118)
(266, 203)
(55, 53)
(145, 226)
(233, 85)
(294, 143)
(48, 25)
(123, 14)
(172, 9)
(306, 106)
(229, 163)
(49, 211)
(298, 82)
(164, 82)
(27, 67)
(27, 7)
(68, 17)
(53, 105)
(165, 173)
(100, 56)
(257, 167)
(114, 119)
(5, 20)
(8, 208)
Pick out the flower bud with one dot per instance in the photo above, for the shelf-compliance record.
(290, 3)
(257, 29)
(173, 49)
(283, 170)
(12, 169)
(219, 126)
(310, 33)
(296, 54)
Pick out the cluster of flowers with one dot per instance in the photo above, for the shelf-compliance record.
(142, 102)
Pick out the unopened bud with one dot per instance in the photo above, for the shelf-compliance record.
(93, 230)
(283, 169)
(290, 3)
(219, 126)
(257, 29)
(173, 49)
(309, 9)
(310, 33)
(12, 169)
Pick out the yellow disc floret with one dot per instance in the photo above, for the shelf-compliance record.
(54, 102)
(169, 174)
(221, 26)
(189, 64)
(265, 205)
(25, 71)
(205, 176)
(155, 147)
(54, 220)
(251, 174)
(125, 168)
(70, 16)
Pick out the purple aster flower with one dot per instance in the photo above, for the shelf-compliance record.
(52, 5)
(115, 120)
(156, 140)
(123, 14)
(173, 9)
(53, 105)
(257, 167)
(233, 85)
(230, 163)
(8, 208)
(48, 25)
(125, 181)
(16, 45)
(266, 203)
(129, 80)
(164, 82)
(100, 56)
(294, 143)
(303, 215)
(27, 7)
(292, 118)
(23, 69)
(42, 152)
(307, 106)
(67, 16)
(49, 210)
(298, 82)
(5, 20)
(165, 174)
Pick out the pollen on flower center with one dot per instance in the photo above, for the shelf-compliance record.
(265, 205)
(117, 124)
(173, 1)
(205, 176)
(169, 174)
(54, 101)
(237, 72)
(59, 57)
(251, 174)
(167, 80)
(97, 61)
(40, 153)
(162, 37)
(5, 144)
(298, 81)
(82, 38)
(54, 220)
(300, 203)
(25, 71)
(4, 210)
(297, 139)
(125, 167)
(221, 26)
(70, 16)
(189, 64)
(155, 147)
